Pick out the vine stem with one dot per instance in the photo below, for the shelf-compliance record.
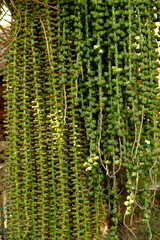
(20, 25)
(124, 222)
(47, 44)
(47, 5)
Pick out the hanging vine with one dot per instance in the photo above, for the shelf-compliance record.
(82, 118)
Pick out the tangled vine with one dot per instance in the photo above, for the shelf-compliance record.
(82, 117)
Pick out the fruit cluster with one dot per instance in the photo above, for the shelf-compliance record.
(82, 116)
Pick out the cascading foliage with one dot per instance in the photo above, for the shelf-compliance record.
(82, 117)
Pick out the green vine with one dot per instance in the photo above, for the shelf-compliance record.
(82, 118)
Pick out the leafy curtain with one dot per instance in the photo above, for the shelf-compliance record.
(82, 116)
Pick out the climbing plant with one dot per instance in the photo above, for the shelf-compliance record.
(82, 117)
